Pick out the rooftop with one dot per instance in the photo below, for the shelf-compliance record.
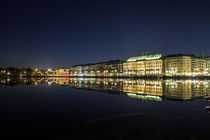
(178, 55)
(145, 57)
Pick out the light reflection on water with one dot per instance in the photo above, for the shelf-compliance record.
(170, 89)
(144, 109)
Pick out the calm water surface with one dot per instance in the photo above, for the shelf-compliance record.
(76, 108)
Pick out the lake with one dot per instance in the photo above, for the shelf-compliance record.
(104, 108)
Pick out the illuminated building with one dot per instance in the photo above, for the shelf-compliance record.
(75, 70)
(149, 65)
(86, 70)
(154, 67)
(178, 65)
(37, 72)
(113, 68)
(198, 66)
(102, 69)
(208, 65)
(130, 69)
(185, 65)
(94, 69)
(99, 69)
(146, 66)
(62, 72)
(50, 72)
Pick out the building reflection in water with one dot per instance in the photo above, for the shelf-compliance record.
(134, 88)
(147, 89)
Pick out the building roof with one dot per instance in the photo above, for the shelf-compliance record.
(114, 62)
(145, 57)
(105, 63)
(178, 55)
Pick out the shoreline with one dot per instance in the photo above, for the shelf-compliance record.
(115, 77)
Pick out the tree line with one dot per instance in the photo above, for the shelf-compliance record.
(13, 71)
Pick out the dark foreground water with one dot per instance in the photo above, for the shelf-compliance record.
(66, 108)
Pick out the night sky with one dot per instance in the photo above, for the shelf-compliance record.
(55, 33)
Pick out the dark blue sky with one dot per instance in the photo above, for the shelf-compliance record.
(59, 33)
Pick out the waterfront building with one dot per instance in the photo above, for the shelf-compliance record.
(37, 72)
(113, 68)
(207, 65)
(62, 72)
(178, 65)
(86, 70)
(82, 70)
(154, 67)
(51, 72)
(149, 65)
(185, 65)
(133, 69)
(199, 66)
(110, 68)
(92, 70)
(99, 69)
(95, 69)
(76, 70)
(130, 69)
(146, 66)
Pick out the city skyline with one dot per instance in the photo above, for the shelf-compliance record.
(54, 34)
(142, 57)
(105, 69)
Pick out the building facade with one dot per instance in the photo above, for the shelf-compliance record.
(198, 67)
(145, 66)
(151, 65)
(154, 67)
(178, 65)
(62, 72)
(113, 68)
(207, 65)
(185, 65)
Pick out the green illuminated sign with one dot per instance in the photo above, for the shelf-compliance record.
(145, 57)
